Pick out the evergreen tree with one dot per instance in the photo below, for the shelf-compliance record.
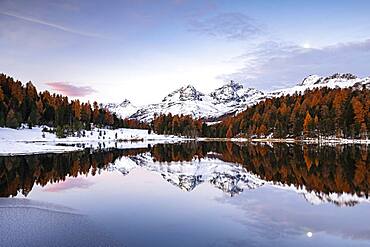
(11, 119)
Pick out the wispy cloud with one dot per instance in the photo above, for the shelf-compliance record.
(280, 63)
(70, 183)
(71, 90)
(232, 26)
(49, 24)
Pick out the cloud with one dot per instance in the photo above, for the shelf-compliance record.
(70, 183)
(280, 63)
(71, 90)
(232, 26)
(49, 24)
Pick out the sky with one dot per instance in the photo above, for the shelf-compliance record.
(144, 49)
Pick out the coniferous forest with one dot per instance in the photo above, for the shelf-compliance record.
(24, 104)
(343, 113)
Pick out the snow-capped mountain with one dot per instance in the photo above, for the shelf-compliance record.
(235, 97)
(229, 99)
(187, 100)
(124, 110)
(188, 93)
(315, 81)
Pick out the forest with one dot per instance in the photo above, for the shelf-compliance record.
(23, 104)
(344, 113)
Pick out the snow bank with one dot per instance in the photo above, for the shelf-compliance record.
(32, 141)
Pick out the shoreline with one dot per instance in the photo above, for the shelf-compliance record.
(342, 141)
(35, 141)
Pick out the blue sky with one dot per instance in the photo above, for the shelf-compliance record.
(142, 49)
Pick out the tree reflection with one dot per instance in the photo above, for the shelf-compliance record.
(21, 173)
(324, 169)
(327, 169)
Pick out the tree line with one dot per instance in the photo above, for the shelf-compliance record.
(324, 112)
(24, 104)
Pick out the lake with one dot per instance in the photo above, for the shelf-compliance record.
(188, 194)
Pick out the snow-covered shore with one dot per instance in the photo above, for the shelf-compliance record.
(323, 141)
(35, 141)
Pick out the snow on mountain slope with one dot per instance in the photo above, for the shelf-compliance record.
(234, 97)
(124, 110)
(188, 93)
(228, 99)
(188, 101)
(315, 81)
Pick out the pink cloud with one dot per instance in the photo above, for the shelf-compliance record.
(71, 90)
(70, 183)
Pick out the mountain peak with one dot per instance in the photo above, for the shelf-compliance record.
(310, 80)
(125, 102)
(185, 93)
(315, 79)
(347, 76)
(232, 83)
(233, 92)
(124, 109)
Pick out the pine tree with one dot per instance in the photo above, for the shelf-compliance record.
(229, 132)
(34, 117)
(316, 125)
(11, 119)
(307, 124)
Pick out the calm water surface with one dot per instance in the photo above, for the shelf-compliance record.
(189, 194)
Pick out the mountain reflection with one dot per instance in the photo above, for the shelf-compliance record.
(323, 173)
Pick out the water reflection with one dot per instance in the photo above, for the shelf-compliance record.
(18, 174)
(335, 174)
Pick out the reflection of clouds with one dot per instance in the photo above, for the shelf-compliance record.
(273, 214)
(70, 183)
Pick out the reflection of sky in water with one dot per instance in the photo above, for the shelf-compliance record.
(141, 208)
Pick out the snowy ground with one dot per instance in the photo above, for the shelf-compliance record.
(32, 141)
